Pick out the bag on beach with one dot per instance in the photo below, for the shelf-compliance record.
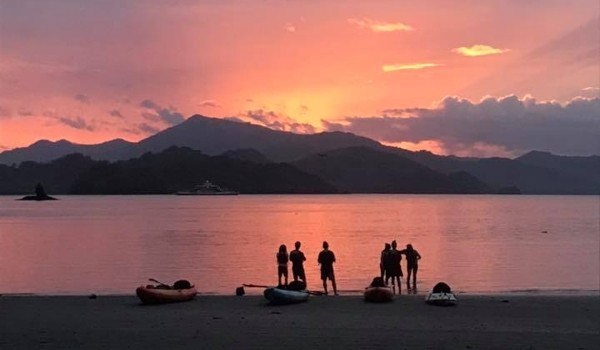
(441, 287)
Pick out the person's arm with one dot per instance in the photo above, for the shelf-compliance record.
(319, 258)
(418, 255)
(333, 256)
(303, 257)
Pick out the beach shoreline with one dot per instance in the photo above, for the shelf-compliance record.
(498, 321)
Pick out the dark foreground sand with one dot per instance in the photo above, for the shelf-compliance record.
(221, 322)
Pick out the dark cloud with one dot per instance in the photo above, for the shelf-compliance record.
(276, 121)
(235, 119)
(156, 112)
(147, 128)
(510, 124)
(76, 123)
(25, 113)
(209, 103)
(115, 113)
(82, 98)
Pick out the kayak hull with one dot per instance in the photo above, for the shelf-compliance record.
(441, 299)
(379, 294)
(162, 296)
(277, 296)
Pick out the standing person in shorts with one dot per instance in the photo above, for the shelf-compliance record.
(393, 268)
(282, 264)
(326, 260)
(412, 264)
(297, 258)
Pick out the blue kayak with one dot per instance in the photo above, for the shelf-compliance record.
(279, 296)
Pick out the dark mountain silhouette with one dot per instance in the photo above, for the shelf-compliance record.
(57, 176)
(367, 170)
(583, 167)
(163, 173)
(533, 173)
(45, 151)
(248, 155)
(215, 136)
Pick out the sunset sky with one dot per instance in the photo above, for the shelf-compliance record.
(479, 78)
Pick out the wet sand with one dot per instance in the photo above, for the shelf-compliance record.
(345, 322)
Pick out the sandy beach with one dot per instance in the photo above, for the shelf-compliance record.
(228, 322)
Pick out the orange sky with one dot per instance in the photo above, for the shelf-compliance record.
(81, 71)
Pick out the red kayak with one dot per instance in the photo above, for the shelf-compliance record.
(159, 295)
(378, 294)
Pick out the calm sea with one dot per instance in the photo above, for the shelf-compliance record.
(477, 244)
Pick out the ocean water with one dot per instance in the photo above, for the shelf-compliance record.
(477, 244)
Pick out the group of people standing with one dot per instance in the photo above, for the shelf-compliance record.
(326, 259)
(390, 267)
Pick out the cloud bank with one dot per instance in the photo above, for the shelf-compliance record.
(510, 126)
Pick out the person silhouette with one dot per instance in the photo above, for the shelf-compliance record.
(282, 264)
(326, 260)
(412, 264)
(297, 258)
(393, 268)
(382, 260)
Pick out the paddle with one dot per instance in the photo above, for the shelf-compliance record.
(159, 282)
(312, 292)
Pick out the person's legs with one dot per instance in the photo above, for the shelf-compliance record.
(333, 284)
(399, 286)
(408, 277)
(415, 277)
(302, 276)
(285, 275)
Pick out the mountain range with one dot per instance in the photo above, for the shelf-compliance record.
(344, 161)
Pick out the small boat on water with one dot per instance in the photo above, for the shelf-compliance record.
(207, 189)
(161, 294)
(378, 294)
(279, 296)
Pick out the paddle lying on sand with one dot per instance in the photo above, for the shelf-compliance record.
(312, 292)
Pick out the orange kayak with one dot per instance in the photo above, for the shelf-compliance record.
(153, 295)
(378, 294)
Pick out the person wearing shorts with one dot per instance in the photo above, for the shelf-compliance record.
(282, 264)
(412, 264)
(326, 260)
(297, 258)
